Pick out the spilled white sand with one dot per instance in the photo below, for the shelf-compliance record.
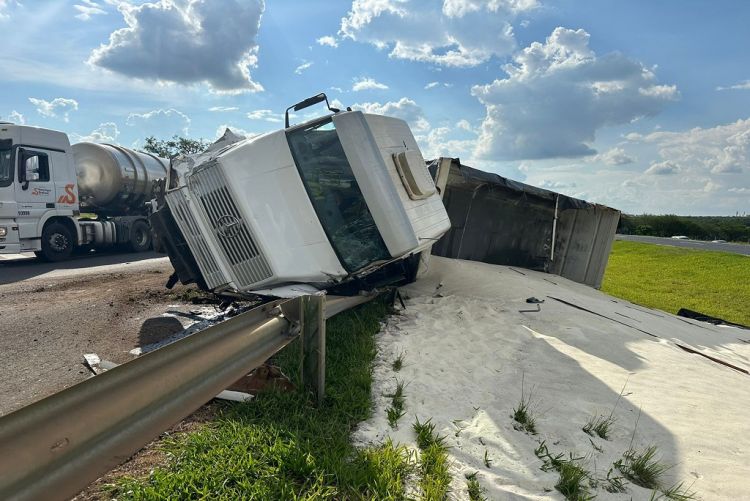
(468, 347)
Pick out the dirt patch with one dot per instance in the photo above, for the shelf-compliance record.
(47, 324)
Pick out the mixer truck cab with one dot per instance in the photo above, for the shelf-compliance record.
(55, 198)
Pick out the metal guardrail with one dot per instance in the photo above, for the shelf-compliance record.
(55, 447)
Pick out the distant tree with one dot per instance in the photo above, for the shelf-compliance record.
(644, 229)
(733, 228)
(178, 145)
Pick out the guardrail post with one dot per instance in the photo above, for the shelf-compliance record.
(313, 333)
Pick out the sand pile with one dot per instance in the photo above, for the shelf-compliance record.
(471, 343)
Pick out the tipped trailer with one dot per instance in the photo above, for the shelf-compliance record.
(345, 198)
(56, 198)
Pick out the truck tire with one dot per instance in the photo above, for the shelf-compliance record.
(140, 236)
(57, 242)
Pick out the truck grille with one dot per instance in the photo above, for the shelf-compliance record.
(248, 264)
(180, 208)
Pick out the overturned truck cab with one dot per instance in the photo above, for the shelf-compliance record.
(342, 199)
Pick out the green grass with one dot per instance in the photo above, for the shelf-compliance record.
(678, 492)
(643, 467)
(398, 403)
(435, 476)
(473, 487)
(670, 278)
(282, 446)
(599, 425)
(522, 414)
(574, 481)
(398, 363)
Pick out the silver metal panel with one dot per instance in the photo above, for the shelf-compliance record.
(182, 213)
(236, 241)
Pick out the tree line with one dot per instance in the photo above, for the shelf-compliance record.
(736, 229)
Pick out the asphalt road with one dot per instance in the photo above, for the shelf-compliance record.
(51, 314)
(691, 244)
(19, 267)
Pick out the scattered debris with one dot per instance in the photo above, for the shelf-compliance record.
(92, 361)
(265, 376)
(535, 301)
(234, 396)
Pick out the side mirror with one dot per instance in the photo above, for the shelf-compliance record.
(31, 169)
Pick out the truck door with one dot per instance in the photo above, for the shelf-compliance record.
(35, 189)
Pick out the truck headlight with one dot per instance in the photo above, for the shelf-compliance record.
(3, 231)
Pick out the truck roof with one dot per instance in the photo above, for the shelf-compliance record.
(40, 137)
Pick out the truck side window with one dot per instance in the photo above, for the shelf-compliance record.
(35, 166)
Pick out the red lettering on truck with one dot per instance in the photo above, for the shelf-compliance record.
(69, 197)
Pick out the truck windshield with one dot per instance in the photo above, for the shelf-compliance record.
(335, 195)
(6, 166)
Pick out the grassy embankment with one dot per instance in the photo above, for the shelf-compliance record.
(670, 278)
(281, 446)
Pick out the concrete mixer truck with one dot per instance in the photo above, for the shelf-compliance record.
(56, 198)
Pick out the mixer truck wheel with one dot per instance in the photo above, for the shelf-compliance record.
(57, 242)
(140, 237)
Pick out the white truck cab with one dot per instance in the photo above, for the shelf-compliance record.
(318, 204)
(37, 183)
(42, 180)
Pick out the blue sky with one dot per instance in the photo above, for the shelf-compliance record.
(641, 105)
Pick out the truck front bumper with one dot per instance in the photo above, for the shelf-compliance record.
(10, 243)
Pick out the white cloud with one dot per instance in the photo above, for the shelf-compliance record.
(328, 41)
(223, 108)
(405, 109)
(88, 9)
(614, 156)
(5, 7)
(740, 86)
(465, 125)
(712, 186)
(16, 118)
(59, 106)
(160, 123)
(266, 115)
(439, 142)
(432, 85)
(302, 67)
(364, 83)
(106, 133)
(664, 168)
(555, 185)
(700, 171)
(457, 33)
(187, 42)
(556, 96)
(724, 149)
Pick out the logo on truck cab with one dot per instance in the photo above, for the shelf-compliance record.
(69, 197)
